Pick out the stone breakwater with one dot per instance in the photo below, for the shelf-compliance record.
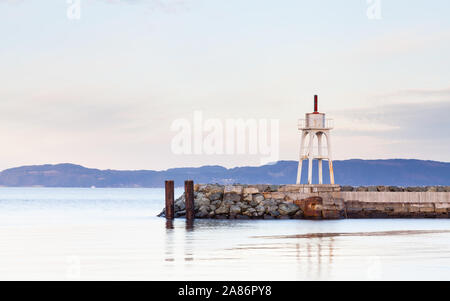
(215, 201)
(397, 188)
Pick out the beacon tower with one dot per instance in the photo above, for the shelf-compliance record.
(314, 128)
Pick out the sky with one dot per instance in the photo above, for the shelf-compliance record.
(103, 90)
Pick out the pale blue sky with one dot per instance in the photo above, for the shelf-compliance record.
(102, 91)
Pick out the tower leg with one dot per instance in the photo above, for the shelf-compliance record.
(310, 157)
(299, 172)
(319, 140)
(300, 160)
(330, 161)
(320, 172)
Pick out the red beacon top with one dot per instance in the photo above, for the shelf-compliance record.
(316, 104)
(315, 120)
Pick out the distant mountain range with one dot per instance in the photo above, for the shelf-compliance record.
(397, 172)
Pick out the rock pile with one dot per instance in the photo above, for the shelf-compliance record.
(251, 202)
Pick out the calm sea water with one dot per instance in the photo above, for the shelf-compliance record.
(114, 234)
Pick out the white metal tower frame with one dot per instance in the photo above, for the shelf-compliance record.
(307, 153)
(315, 125)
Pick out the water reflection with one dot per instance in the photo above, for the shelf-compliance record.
(118, 236)
(249, 248)
(189, 225)
(169, 224)
(169, 255)
(189, 241)
(172, 240)
(318, 258)
(312, 255)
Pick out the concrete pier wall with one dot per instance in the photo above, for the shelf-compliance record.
(314, 202)
(396, 204)
(397, 197)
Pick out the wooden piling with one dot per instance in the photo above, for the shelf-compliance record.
(189, 196)
(170, 200)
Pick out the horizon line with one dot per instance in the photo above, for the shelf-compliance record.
(202, 166)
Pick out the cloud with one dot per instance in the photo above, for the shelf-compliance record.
(415, 95)
(73, 115)
(414, 121)
(410, 123)
(399, 42)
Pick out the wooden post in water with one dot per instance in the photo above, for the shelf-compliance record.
(189, 197)
(170, 200)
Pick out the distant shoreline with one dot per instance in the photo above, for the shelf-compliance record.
(355, 172)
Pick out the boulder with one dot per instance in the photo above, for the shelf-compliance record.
(269, 202)
(271, 209)
(216, 203)
(440, 189)
(244, 206)
(258, 198)
(163, 213)
(223, 209)
(215, 196)
(250, 212)
(235, 209)
(247, 197)
(382, 188)
(252, 203)
(200, 187)
(288, 208)
(202, 212)
(298, 214)
(237, 189)
(231, 196)
(431, 189)
(180, 213)
(347, 188)
(180, 204)
(274, 188)
(261, 187)
(394, 189)
(202, 200)
(278, 195)
(260, 210)
(251, 190)
(274, 213)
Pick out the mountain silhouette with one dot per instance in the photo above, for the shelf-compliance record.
(398, 172)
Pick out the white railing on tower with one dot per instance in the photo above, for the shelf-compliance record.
(329, 123)
(302, 124)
